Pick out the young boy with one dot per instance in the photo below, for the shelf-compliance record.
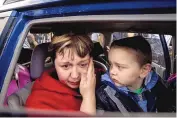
(131, 85)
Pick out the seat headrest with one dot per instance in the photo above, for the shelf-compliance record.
(97, 50)
(39, 55)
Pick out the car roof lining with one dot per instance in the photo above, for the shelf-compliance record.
(159, 27)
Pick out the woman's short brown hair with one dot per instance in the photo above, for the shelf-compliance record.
(81, 43)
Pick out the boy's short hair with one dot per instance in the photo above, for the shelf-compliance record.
(139, 44)
(79, 42)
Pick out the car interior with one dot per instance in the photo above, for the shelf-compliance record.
(35, 61)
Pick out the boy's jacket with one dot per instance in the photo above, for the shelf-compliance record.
(109, 98)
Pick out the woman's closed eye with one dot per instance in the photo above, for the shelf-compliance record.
(65, 66)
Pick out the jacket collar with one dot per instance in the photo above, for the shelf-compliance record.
(150, 81)
(46, 82)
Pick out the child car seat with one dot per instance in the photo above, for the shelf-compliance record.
(21, 78)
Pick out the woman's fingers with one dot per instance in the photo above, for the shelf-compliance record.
(83, 78)
(90, 67)
(88, 81)
(91, 73)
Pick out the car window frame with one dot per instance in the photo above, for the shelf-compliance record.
(67, 19)
(6, 30)
(166, 56)
(174, 56)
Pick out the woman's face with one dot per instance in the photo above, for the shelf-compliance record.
(70, 66)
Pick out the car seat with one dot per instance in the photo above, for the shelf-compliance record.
(99, 54)
(172, 86)
(40, 53)
(19, 80)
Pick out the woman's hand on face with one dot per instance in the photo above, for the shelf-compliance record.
(88, 82)
(87, 90)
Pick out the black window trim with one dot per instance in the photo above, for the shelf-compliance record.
(166, 56)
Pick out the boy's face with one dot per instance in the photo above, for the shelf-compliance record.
(124, 67)
(70, 66)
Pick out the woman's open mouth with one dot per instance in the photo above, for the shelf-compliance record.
(75, 83)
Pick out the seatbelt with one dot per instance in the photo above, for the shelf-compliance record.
(111, 93)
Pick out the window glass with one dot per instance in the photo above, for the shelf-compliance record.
(157, 50)
(33, 40)
(168, 39)
(98, 37)
(120, 35)
(2, 23)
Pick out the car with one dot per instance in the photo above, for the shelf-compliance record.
(152, 19)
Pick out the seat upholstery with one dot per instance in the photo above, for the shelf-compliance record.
(39, 55)
(159, 70)
(18, 99)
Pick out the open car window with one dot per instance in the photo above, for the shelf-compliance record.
(41, 37)
(32, 40)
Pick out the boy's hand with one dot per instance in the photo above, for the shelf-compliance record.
(88, 82)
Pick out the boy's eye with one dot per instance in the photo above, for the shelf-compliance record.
(83, 65)
(110, 65)
(120, 67)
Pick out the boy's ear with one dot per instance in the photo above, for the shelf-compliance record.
(145, 70)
